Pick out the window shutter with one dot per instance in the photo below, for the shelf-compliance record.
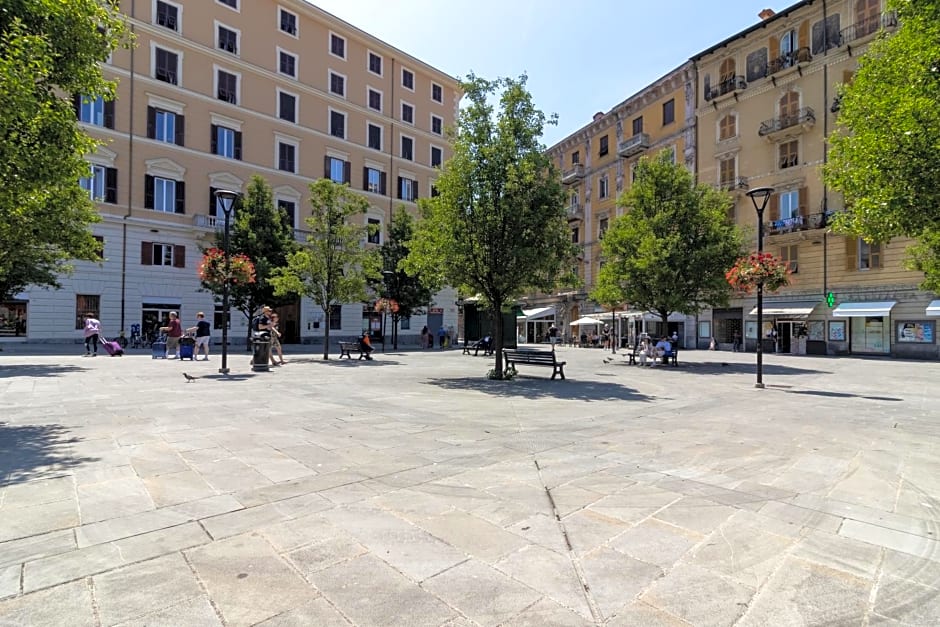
(347, 172)
(212, 201)
(803, 35)
(179, 256)
(109, 114)
(238, 145)
(180, 133)
(804, 202)
(110, 185)
(879, 257)
(774, 46)
(851, 253)
(326, 167)
(214, 141)
(847, 76)
(180, 197)
(148, 192)
(382, 180)
(774, 207)
(146, 253)
(400, 197)
(151, 122)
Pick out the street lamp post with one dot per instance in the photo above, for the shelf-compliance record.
(226, 198)
(760, 196)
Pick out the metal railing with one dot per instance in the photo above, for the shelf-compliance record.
(790, 59)
(806, 115)
(800, 223)
(867, 27)
(730, 84)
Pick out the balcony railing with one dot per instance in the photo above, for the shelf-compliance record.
(575, 211)
(867, 27)
(633, 145)
(207, 222)
(790, 59)
(805, 118)
(732, 83)
(301, 235)
(800, 223)
(737, 183)
(575, 173)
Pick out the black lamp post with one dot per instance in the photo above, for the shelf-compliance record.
(226, 198)
(386, 275)
(760, 196)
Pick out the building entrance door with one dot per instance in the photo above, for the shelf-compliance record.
(156, 315)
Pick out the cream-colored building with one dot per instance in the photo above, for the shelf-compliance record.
(214, 92)
(767, 101)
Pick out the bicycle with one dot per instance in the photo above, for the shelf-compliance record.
(136, 339)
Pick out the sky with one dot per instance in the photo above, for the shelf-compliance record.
(580, 57)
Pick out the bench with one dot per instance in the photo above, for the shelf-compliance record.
(535, 358)
(485, 345)
(671, 357)
(346, 348)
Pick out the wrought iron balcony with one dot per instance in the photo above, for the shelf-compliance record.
(726, 86)
(575, 173)
(633, 145)
(867, 27)
(800, 223)
(804, 118)
(790, 59)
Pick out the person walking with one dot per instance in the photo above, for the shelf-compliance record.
(441, 334)
(92, 335)
(203, 331)
(174, 331)
(276, 341)
(424, 337)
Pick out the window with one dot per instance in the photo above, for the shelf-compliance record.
(287, 63)
(789, 204)
(602, 225)
(164, 126)
(437, 156)
(337, 46)
(375, 231)
(229, 3)
(373, 180)
(576, 157)
(288, 211)
(338, 124)
(407, 79)
(604, 147)
(867, 17)
(336, 170)
(789, 154)
(337, 84)
(227, 87)
(375, 99)
(404, 324)
(226, 142)
(437, 125)
(375, 63)
(95, 111)
(288, 23)
(788, 46)
(407, 113)
(101, 185)
(434, 192)
(638, 125)
(159, 254)
(375, 136)
(789, 106)
(165, 66)
(670, 153)
(869, 255)
(407, 189)
(228, 40)
(726, 172)
(727, 127)
(633, 171)
(790, 256)
(574, 199)
(602, 187)
(407, 148)
(336, 317)
(86, 304)
(575, 235)
(163, 194)
(286, 161)
(437, 93)
(669, 111)
(167, 15)
(287, 106)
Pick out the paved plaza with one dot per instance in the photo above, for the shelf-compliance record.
(411, 491)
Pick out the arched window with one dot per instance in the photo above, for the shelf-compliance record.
(789, 105)
(727, 127)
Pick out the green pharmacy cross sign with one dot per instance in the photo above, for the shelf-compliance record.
(830, 299)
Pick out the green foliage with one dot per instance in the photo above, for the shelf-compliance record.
(333, 267)
(48, 48)
(497, 227)
(885, 159)
(669, 252)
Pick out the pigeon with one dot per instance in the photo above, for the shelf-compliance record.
(189, 378)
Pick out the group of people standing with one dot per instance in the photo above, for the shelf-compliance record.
(445, 337)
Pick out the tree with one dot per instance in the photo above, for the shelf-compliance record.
(885, 159)
(260, 231)
(49, 50)
(333, 266)
(408, 290)
(497, 227)
(669, 252)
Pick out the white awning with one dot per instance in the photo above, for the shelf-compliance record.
(792, 309)
(675, 316)
(933, 309)
(862, 310)
(585, 321)
(540, 312)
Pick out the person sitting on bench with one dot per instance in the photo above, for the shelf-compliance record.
(365, 345)
(662, 348)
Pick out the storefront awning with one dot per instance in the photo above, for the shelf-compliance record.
(540, 312)
(792, 309)
(585, 321)
(933, 309)
(862, 310)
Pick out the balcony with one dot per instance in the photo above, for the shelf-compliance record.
(301, 235)
(794, 124)
(800, 223)
(736, 185)
(867, 27)
(727, 86)
(634, 145)
(575, 211)
(789, 60)
(208, 222)
(575, 173)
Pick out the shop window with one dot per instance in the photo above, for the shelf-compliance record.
(86, 304)
(336, 317)
(13, 318)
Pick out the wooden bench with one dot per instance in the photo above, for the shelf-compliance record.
(483, 344)
(535, 358)
(346, 348)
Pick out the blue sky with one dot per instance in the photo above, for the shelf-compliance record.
(581, 57)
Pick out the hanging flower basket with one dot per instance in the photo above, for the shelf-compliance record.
(212, 269)
(748, 272)
(388, 305)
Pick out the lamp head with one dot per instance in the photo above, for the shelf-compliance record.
(227, 198)
(759, 196)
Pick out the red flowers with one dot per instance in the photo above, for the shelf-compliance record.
(748, 272)
(388, 305)
(212, 269)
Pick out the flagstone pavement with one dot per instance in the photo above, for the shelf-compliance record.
(410, 490)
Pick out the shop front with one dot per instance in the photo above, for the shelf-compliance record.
(785, 325)
(13, 318)
(869, 326)
(533, 324)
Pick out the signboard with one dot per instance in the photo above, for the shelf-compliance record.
(837, 330)
(436, 310)
(918, 332)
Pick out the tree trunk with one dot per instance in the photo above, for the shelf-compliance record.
(251, 316)
(326, 334)
(613, 336)
(498, 338)
(395, 332)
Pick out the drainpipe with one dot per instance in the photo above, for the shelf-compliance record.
(130, 178)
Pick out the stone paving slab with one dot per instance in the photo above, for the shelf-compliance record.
(427, 495)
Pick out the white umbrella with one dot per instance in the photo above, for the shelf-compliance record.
(581, 321)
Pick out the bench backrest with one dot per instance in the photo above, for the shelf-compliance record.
(531, 356)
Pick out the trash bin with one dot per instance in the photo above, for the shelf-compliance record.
(261, 358)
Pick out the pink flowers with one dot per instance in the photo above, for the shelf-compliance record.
(212, 268)
(748, 272)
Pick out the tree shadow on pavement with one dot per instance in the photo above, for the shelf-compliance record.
(843, 395)
(534, 388)
(30, 452)
(37, 370)
(723, 367)
(378, 360)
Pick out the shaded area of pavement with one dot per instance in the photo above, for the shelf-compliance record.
(34, 452)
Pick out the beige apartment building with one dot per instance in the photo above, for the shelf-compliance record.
(214, 92)
(597, 163)
(767, 101)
